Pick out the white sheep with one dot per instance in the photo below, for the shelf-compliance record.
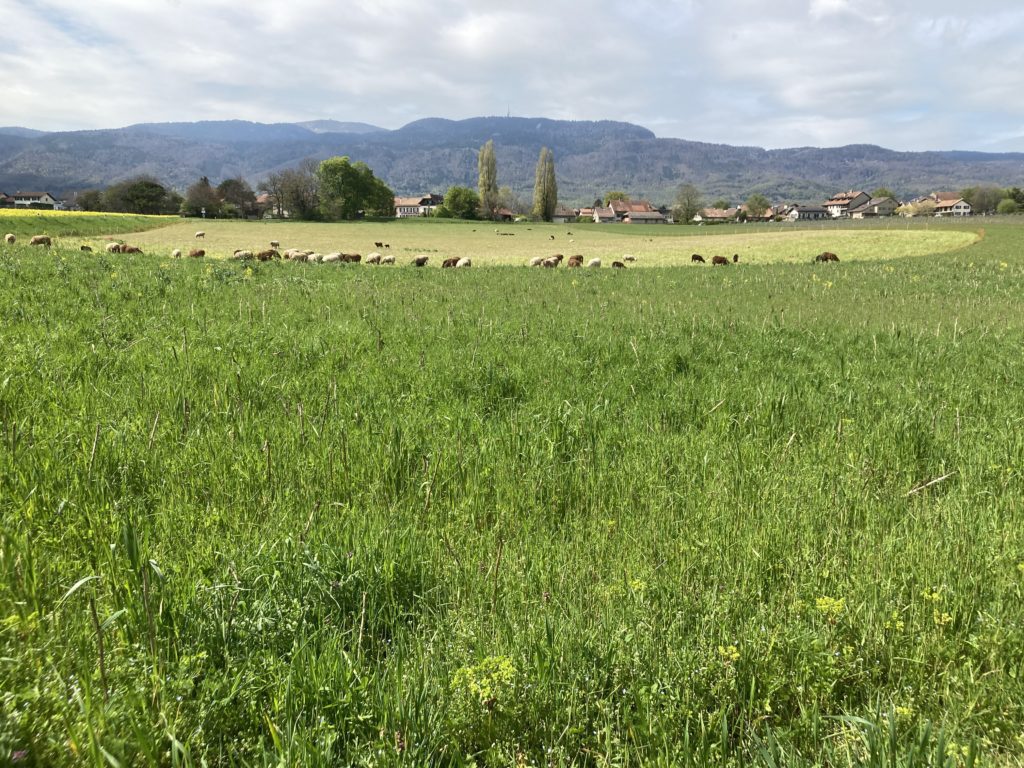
(200, 235)
(594, 263)
(41, 240)
(387, 259)
(464, 262)
(316, 258)
(536, 261)
(113, 248)
(243, 255)
(329, 257)
(274, 244)
(175, 254)
(373, 258)
(10, 239)
(629, 257)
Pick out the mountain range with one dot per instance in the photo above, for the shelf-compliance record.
(430, 155)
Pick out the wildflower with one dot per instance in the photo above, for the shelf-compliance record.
(895, 623)
(637, 585)
(932, 595)
(830, 607)
(728, 654)
(904, 712)
(941, 619)
(1020, 567)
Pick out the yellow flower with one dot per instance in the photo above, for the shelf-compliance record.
(904, 713)
(830, 607)
(941, 619)
(932, 595)
(728, 653)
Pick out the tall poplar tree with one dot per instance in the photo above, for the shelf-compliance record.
(545, 189)
(487, 165)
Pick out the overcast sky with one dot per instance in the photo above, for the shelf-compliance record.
(905, 74)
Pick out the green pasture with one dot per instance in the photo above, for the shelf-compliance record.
(277, 514)
(516, 244)
(76, 228)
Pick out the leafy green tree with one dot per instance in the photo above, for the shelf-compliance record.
(199, 196)
(139, 195)
(883, 192)
(487, 167)
(720, 203)
(545, 188)
(1016, 194)
(90, 200)
(616, 194)
(348, 190)
(758, 205)
(687, 204)
(460, 203)
(983, 199)
(1007, 205)
(238, 193)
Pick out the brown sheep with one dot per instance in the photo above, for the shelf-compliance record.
(41, 240)
(618, 265)
(719, 260)
(351, 258)
(575, 261)
(378, 244)
(10, 239)
(697, 259)
(449, 263)
(826, 256)
(85, 249)
(735, 258)
(196, 253)
(420, 261)
(130, 249)
(268, 255)
(275, 244)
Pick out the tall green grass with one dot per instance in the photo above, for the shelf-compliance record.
(283, 514)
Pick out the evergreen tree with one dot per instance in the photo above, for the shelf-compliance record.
(545, 189)
(487, 166)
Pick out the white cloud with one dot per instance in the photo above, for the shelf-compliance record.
(793, 72)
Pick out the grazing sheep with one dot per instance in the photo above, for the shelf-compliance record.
(387, 245)
(175, 254)
(552, 237)
(41, 240)
(420, 261)
(378, 245)
(299, 256)
(130, 249)
(826, 256)
(629, 257)
(595, 263)
(268, 255)
(697, 258)
(536, 261)
(387, 259)
(449, 262)
(551, 263)
(735, 258)
(351, 258)
(196, 253)
(243, 255)
(719, 260)
(113, 248)
(330, 258)
(618, 265)
(10, 239)
(373, 258)
(575, 261)
(464, 262)
(200, 235)
(85, 249)
(293, 253)
(315, 258)
(275, 244)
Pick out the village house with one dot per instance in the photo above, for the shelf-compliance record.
(645, 217)
(585, 213)
(622, 208)
(34, 200)
(839, 206)
(563, 215)
(950, 204)
(876, 206)
(605, 216)
(715, 215)
(808, 213)
(6, 201)
(423, 205)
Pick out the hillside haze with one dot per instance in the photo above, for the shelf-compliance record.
(430, 155)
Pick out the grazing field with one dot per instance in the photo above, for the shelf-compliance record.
(79, 228)
(516, 244)
(279, 514)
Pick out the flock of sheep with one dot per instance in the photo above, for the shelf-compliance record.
(301, 255)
